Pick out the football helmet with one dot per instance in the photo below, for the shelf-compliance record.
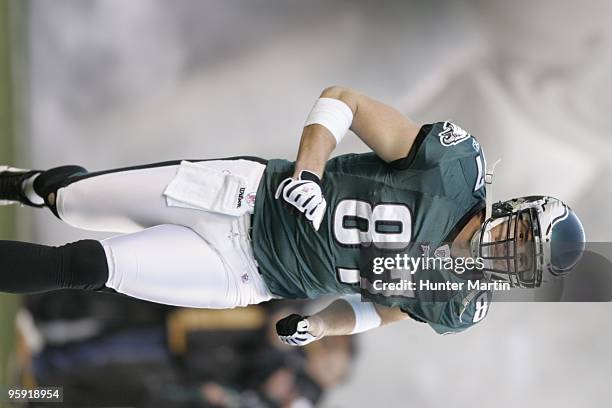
(528, 240)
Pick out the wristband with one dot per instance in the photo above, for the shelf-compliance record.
(333, 114)
(366, 316)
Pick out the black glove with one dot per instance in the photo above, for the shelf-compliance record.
(293, 330)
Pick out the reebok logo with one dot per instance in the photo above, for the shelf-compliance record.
(240, 197)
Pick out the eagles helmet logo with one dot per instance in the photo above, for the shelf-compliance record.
(452, 134)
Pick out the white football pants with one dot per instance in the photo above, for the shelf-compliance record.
(171, 255)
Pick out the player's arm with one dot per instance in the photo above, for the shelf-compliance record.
(344, 316)
(386, 131)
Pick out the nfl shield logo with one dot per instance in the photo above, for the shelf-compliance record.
(250, 200)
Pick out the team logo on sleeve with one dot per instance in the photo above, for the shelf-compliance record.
(452, 134)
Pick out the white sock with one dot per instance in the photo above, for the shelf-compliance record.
(28, 190)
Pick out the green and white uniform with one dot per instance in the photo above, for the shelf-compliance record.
(422, 200)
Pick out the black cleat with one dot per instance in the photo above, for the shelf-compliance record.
(11, 191)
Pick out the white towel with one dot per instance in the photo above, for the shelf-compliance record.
(202, 187)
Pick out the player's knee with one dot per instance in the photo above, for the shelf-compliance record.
(83, 264)
(47, 184)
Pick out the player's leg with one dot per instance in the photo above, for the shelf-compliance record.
(173, 265)
(32, 268)
(119, 200)
(17, 187)
(168, 264)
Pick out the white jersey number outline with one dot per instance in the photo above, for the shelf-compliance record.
(357, 222)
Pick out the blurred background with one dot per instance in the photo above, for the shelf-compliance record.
(109, 83)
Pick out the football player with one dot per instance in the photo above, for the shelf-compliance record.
(237, 231)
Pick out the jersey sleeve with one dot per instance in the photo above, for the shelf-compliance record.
(454, 316)
(447, 149)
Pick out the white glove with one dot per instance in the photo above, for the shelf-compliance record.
(293, 330)
(305, 195)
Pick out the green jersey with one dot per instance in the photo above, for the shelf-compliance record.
(419, 202)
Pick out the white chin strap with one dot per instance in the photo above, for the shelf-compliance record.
(488, 211)
(489, 190)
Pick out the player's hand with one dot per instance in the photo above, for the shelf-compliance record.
(305, 194)
(293, 330)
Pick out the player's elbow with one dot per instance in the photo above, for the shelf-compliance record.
(390, 314)
(335, 91)
(342, 93)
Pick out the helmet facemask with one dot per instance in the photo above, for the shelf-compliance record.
(509, 244)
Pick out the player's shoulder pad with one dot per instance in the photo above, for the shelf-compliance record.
(451, 134)
(436, 142)
(459, 313)
(475, 306)
(456, 142)
(472, 309)
(459, 147)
